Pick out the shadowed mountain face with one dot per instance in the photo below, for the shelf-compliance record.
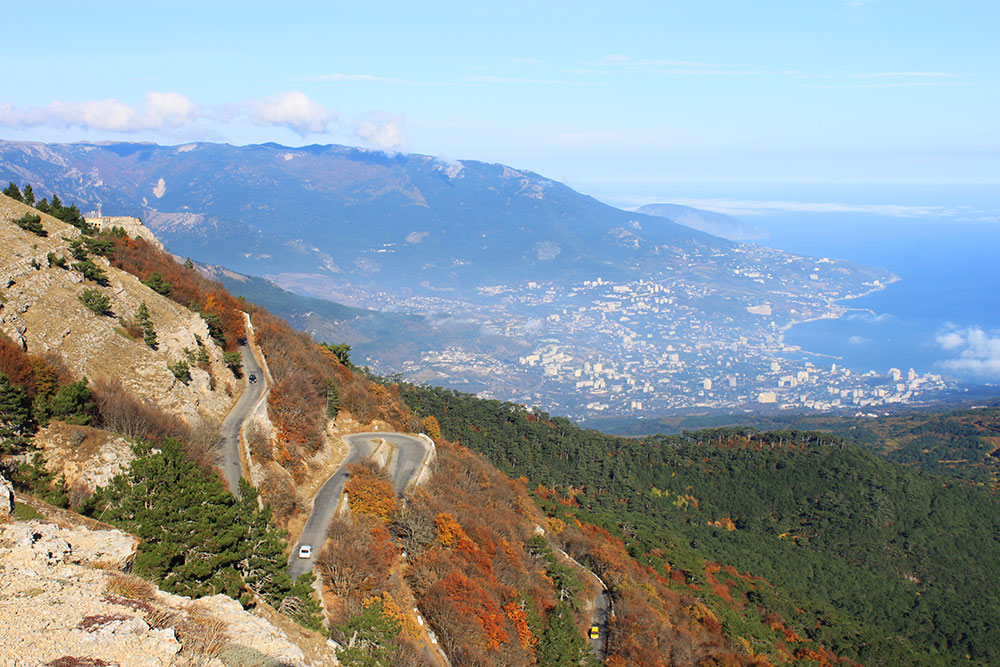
(354, 215)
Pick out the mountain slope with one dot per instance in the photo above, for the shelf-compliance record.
(871, 559)
(717, 224)
(41, 311)
(347, 211)
(534, 284)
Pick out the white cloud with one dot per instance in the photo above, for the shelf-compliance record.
(160, 111)
(337, 77)
(686, 67)
(978, 351)
(382, 131)
(739, 207)
(167, 111)
(486, 78)
(869, 317)
(292, 109)
(858, 340)
(888, 75)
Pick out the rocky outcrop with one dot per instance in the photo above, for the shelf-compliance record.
(87, 457)
(64, 600)
(132, 226)
(35, 542)
(6, 499)
(40, 310)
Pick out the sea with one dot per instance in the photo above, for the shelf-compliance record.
(943, 242)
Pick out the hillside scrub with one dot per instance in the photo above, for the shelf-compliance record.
(909, 558)
(483, 589)
(198, 539)
(35, 389)
(184, 285)
(298, 403)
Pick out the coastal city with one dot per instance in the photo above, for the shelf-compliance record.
(663, 344)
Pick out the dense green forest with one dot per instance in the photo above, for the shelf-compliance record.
(877, 561)
(962, 443)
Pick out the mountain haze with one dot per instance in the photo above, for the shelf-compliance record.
(544, 295)
(358, 215)
(710, 222)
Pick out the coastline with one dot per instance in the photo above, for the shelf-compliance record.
(833, 311)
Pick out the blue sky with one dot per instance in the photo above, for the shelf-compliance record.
(610, 98)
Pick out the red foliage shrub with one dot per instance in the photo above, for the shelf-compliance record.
(187, 287)
(14, 363)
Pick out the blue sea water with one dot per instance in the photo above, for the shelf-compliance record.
(943, 242)
(948, 263)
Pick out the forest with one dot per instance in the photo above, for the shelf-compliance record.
(876, 561)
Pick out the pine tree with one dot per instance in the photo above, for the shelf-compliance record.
(156, 283)
(16, 424)
(198, 538)
(12, 191)
(72, 404)
(148, 333)
(369, 637)
(332, 399)
(29, 195)
(562, 645)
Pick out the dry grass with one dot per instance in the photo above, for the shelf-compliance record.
(159, 617)
(202, 635)
(103, 564)
(129, 586)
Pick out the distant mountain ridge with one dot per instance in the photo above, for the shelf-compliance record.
(490, 279)
(353, 214)
(710, 222)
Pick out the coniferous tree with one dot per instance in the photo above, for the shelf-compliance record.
(16, 424)
(562, 645)
(73, 404)
(369, 637)
(332, 399)
(29, 195)
(156, 283)
(12, 191)
(198, 538)
(142, 319)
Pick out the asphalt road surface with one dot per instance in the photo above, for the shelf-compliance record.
(229, 451)
(407, 455)
(600, 619)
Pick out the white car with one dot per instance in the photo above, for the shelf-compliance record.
(305, 551)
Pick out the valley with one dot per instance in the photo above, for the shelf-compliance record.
(516, 280)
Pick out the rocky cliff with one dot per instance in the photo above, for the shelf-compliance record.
(40, 310)
(64, 600)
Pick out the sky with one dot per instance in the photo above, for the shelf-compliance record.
(611, 98)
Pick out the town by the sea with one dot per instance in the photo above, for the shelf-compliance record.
(943, 242)
(943, 315)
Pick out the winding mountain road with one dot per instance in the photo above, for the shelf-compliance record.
(602, 610)
(405, 463)
(228, 458)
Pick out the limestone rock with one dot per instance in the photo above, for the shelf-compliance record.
(6, 498)
(61, 599)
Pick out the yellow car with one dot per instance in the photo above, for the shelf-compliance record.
(595, 632)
